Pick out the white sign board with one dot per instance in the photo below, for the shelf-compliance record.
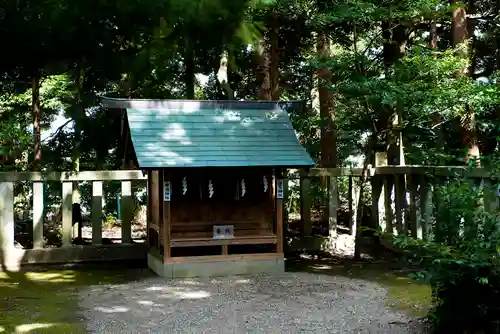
(166, 191)
(498, 190)
(279, 188)
(223, 232)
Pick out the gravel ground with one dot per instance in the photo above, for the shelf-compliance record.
(292, 303)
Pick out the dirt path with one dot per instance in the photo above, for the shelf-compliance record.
(294, 303)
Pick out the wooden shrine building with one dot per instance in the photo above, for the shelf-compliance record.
(215, 182)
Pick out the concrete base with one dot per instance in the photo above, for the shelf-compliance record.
(216, 268)
(156, 265)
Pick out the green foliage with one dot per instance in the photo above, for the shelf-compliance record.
(461, 258)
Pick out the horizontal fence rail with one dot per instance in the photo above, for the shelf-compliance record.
(115, 175)
(399, 170)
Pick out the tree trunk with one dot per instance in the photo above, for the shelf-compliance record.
(189, 70)
(78, 117)
(497, 43)
(394, 48)
(223, 75)
(328, 135)
(36, 114)
(327, 115)
(275, 58)
(433, 35)
(460, 34)
(436, 118)
(263, 75)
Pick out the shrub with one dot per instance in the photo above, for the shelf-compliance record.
(461, 261)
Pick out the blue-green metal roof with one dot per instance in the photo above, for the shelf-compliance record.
(210, 134)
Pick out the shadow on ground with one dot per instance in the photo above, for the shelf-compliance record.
(404, 294)
(43, 300)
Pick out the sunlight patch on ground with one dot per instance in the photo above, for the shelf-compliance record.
(26, 328)
(112, 309)
(193, 295)
(242, 281)
(190, 282)
(149, 303)
(67, 276)
(322, 267)
(179, 292)
(44, 301)
(403, 293)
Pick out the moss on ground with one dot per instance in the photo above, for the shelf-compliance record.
(404, 294)
(47, 302)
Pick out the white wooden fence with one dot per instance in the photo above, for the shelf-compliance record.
(68, 252)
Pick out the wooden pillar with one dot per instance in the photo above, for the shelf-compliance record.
(97, 212)
(414, 221)
(279, 188)
(333, 206)
(154, 189)
(286, 199)
(490, 196)
(389, 213)
(400, 203)
(126, 207)
(166, 196)
(353, 199)
(6, 216)
(377, 203)
(67, 213)
(305, 204)
(382, 187)
(148, 211)
(76, 211)
(425, 206)
(37, 214)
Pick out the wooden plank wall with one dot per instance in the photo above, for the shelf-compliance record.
(197, 219)
(193, 215)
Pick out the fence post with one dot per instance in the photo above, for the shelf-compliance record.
(38, 214)
(305, 204)
(377, 203)
(490, 196)
(6, 216)
(67, 213)
(425, 207)
(333, 206)
(414, 222)
(97, 212)
(400, 203)
(126, 211)
(353, 203)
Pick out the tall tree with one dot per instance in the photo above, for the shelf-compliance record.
(262, 59)
(460, 34)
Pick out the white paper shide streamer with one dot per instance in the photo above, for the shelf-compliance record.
(243, 187)
(210, 189)
(266, 184)
(184, 186)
